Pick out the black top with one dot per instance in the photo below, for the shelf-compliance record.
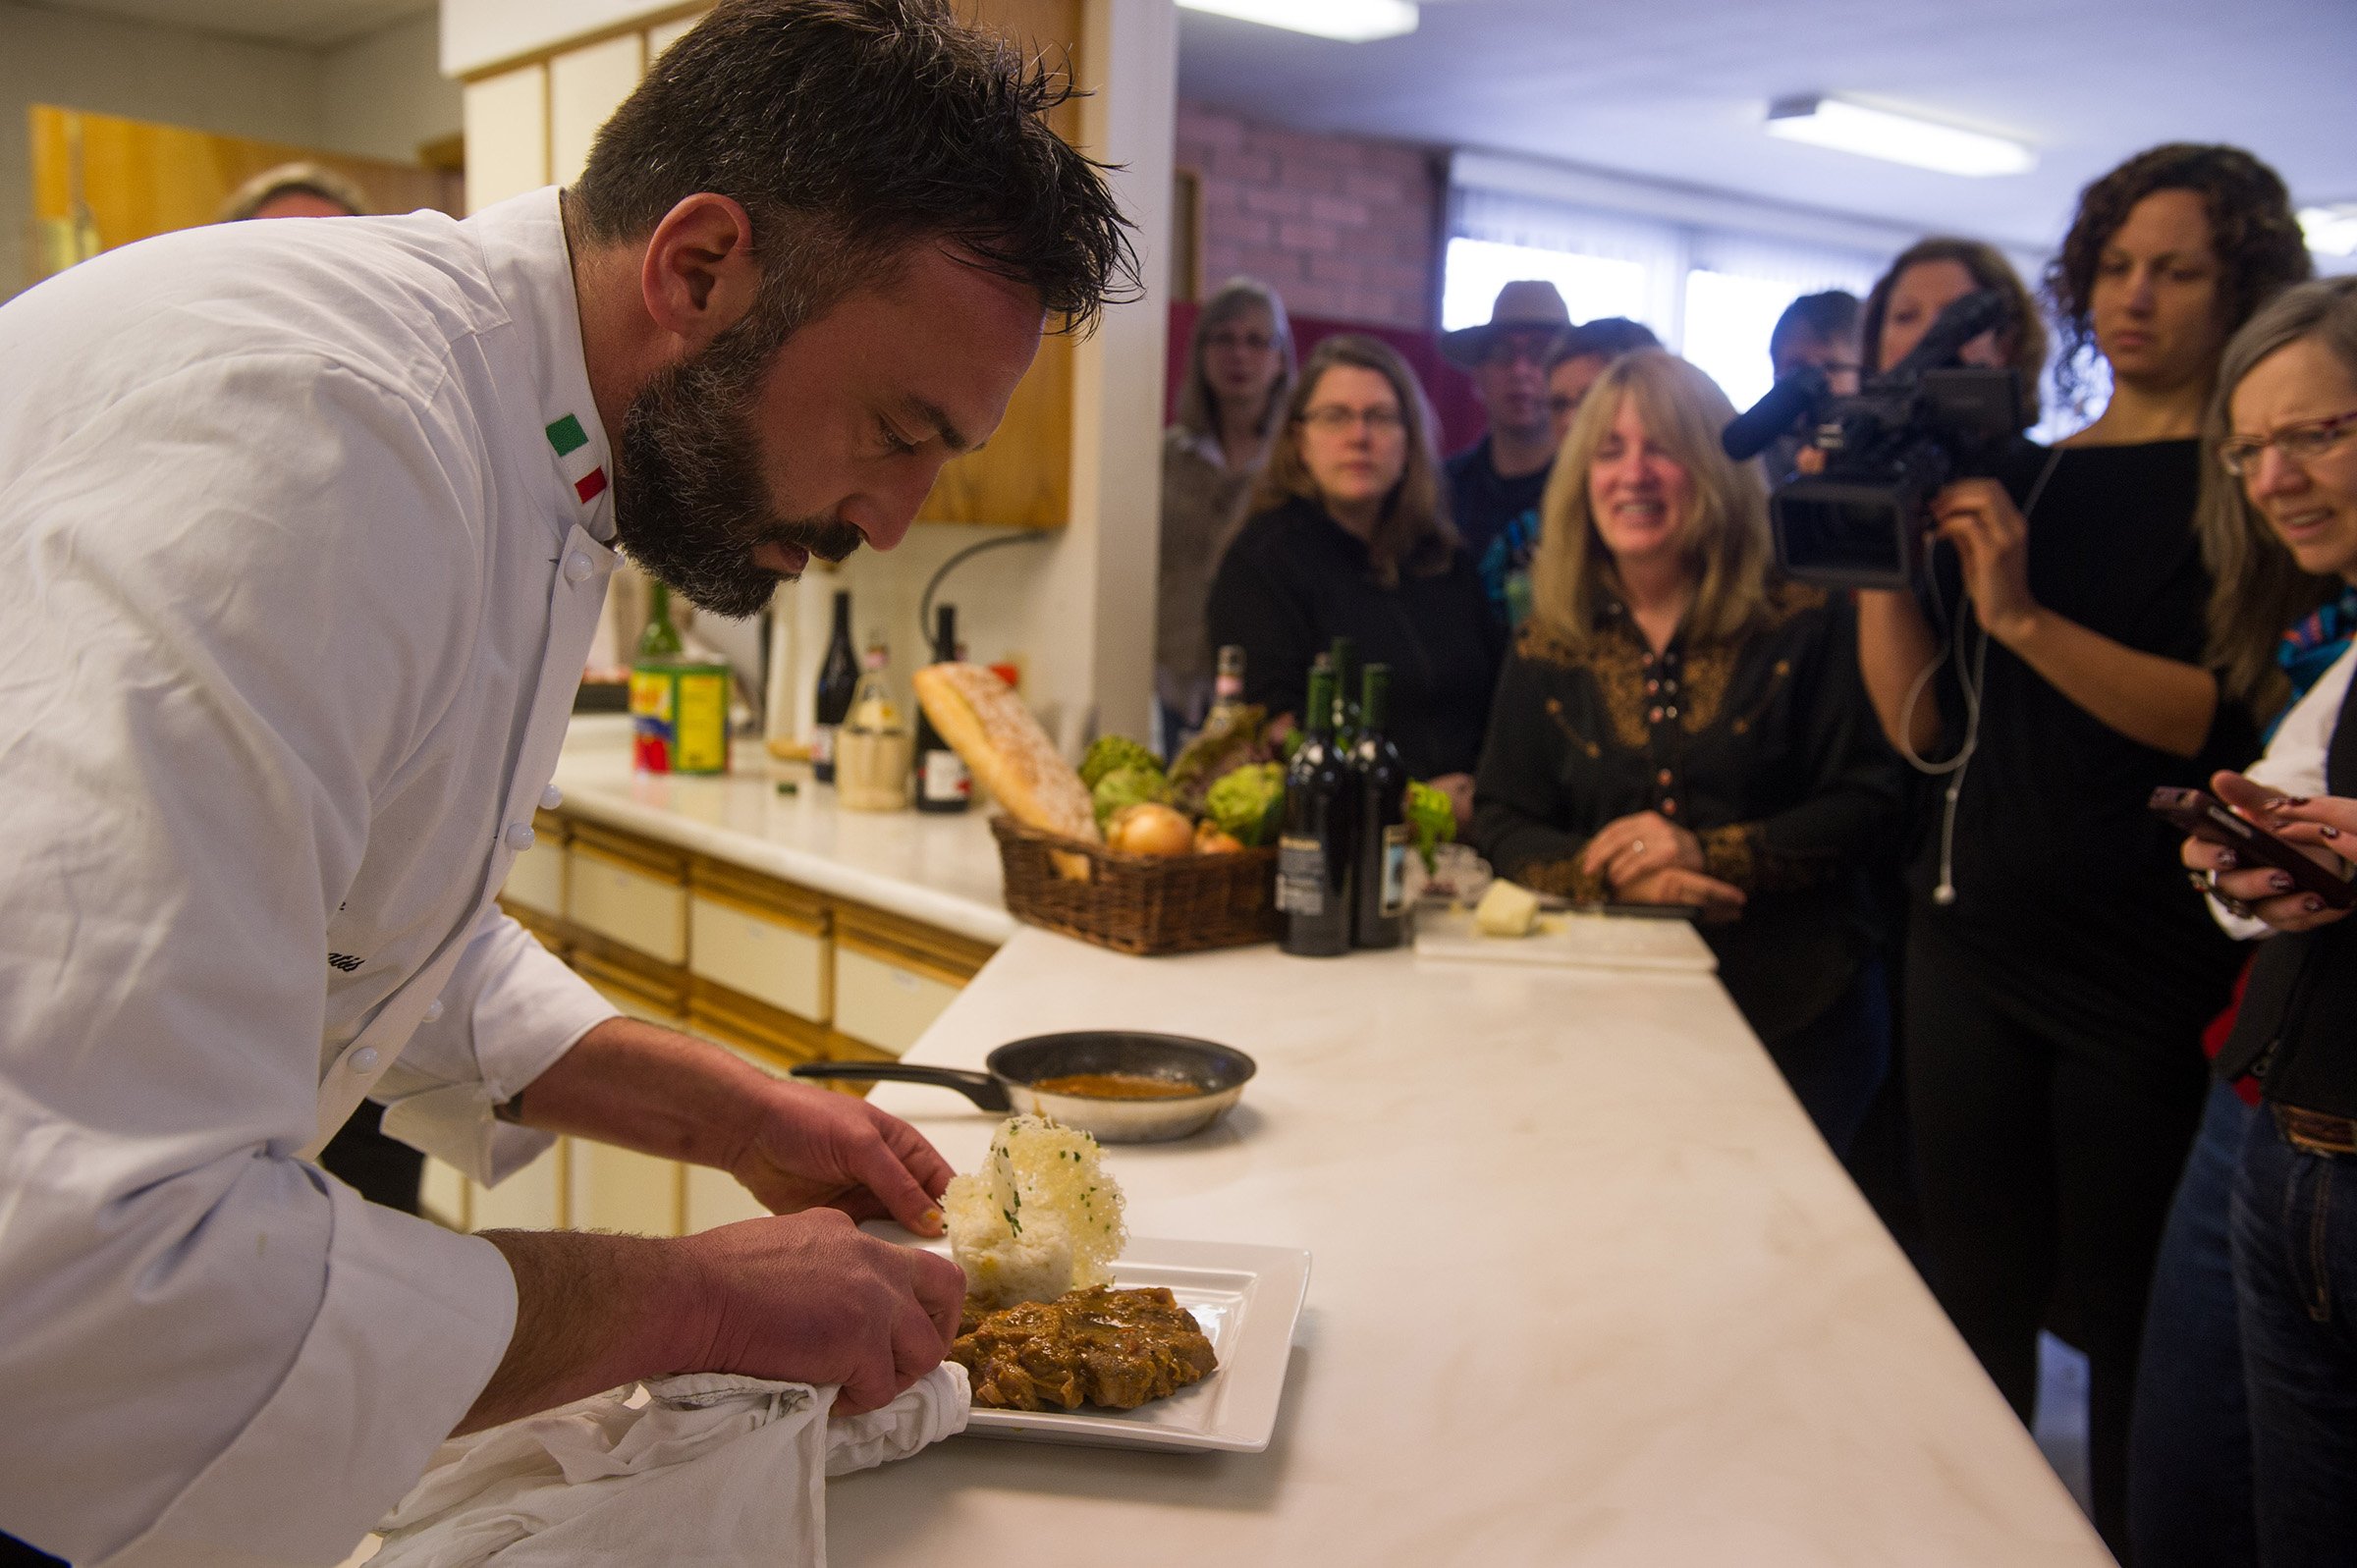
(1497, 517)
(2297, 1027)
(1295, 579)
(1766, 747)
(2066, 885)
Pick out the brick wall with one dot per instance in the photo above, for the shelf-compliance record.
(1341, 226)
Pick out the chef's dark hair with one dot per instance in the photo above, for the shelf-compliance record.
(850, 129)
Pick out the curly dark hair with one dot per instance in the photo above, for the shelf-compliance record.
(850, 129)
(2259, 248)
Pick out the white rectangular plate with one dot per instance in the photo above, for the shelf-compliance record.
(1248, 1299)
(1580, 939)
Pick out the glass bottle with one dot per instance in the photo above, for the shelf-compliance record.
(1315, 854)
(943, 784)
(1380, 918)
(838, 682)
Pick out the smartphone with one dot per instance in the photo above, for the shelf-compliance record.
(2199, 814)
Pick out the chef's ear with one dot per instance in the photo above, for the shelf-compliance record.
(699, 277)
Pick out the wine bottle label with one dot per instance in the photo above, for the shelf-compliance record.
(822, 744)
(1398, 840)
(945, 776)
(1300, 877)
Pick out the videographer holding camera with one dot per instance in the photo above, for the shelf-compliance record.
(2047, 670)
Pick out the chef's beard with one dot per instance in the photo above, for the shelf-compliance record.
(690, 505)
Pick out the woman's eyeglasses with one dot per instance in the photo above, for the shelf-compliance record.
(2302, 443)
(1333, 421)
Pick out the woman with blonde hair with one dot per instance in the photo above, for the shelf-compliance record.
(1677, 726)
(1350, 537)
(1239, 372)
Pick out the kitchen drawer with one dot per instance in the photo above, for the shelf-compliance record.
(625, 902)
(536, 881)
(532, 1198)
(621, 1190)
(442, 1195)
(884, 999)
(769, 957)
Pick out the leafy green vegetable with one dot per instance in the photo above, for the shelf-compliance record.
(1127, 787)
(1107, 753)
(1247, 802)
(1431, 817)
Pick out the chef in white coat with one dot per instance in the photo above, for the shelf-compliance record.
(303, 530)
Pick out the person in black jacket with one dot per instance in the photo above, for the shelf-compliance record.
(1350, 537)
(1677, 726)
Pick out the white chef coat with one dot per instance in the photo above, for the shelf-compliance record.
(2294, 765)
(296, 586)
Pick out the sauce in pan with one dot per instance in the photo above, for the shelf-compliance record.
(1117, 1086)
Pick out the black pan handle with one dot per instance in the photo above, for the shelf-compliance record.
(981, 1088)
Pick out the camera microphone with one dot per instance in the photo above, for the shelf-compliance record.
(1962, 321)
(1752, 431)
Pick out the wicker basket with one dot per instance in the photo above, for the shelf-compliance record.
(1139, 903)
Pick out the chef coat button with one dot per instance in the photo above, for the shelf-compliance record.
(1652, 687)
(1664, 777)
(1668, 808)
(433, 1010)
(365, 1060)
(551, 798)
(576, 567)
(1654, 715)
(1668, 685)
(518, 837)
(1648, 661)
(1672, 710)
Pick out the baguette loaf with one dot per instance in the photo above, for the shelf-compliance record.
(989, 726)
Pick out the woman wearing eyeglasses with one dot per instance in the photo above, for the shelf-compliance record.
(1351, 538)
(2058, 972)
(1239, 372)
(2222, 1377)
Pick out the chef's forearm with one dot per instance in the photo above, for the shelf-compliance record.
(643, 1087)
(592, 1312)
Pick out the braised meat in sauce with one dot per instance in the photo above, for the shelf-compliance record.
(1097, 1346)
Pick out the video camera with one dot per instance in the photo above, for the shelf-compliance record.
(1859, 522)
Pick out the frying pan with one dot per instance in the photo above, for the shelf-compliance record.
(1217, 1073)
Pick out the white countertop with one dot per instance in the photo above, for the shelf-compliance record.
(939, 870)
(1587, 1289)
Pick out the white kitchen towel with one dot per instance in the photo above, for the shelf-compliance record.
(705, 1471)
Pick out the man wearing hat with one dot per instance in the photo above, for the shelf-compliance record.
(1493, 485)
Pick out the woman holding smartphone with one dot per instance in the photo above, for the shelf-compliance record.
(2249, 1249)
(2058, 972)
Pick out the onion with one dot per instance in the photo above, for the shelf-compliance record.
(1150, 830)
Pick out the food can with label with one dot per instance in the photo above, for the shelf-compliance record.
(680, 717)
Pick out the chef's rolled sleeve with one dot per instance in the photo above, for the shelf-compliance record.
(410, 1317)
(509, 1010)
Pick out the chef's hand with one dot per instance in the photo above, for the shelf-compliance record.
(1993, 544)
(811, 1298)
(805, 1147)
(1716, 900)
(2319, 827)
(1628, 849)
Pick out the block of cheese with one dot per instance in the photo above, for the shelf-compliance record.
(1506, 910)
(989, 726)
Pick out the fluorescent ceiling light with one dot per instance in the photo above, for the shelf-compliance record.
(2330, 230)
(1351, 21)
(1898, 137)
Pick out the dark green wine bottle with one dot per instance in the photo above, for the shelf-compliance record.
(1317, 853)
(1380, 919)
